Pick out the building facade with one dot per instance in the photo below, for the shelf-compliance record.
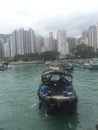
(7, 49)
(26, 42)
(21, 42)
(51, 42)
(84, 38)
(93, 37)
(32, 41)
(61, 41)
(39, 43)
(1, 48)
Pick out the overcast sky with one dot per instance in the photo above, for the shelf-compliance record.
(43, 16)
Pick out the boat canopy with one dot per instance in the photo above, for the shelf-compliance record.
(58, 72)
(54, 75)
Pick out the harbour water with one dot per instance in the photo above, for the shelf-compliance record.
(19, 102)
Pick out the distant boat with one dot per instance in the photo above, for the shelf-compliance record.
(86, 65)
(53, 65)
(94, 66)
(66, 65)
(4, 66)
(48, 63)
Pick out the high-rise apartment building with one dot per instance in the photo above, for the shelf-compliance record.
(21, 42)
(97, 35)
(93, 37)
(51, 41)
(39, 43)
(46, 43)
(26, 42)
(84, 38)
(7, 49)
(32, 41)
(1, 48)
(12, 47)
(14, 42)
(61, 41)
(17, 42)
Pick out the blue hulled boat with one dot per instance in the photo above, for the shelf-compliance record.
(66, 65)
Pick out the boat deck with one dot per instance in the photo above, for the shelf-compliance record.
(61, 96)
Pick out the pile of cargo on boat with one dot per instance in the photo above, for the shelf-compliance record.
(56, 92)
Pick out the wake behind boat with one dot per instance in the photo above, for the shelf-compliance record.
(56, 92)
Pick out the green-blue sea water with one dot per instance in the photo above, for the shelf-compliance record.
(19, 102)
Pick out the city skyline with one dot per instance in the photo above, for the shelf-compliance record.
(23, 41)
(26, 42)
(48, 15)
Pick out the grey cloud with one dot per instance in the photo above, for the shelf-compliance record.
(80, 22)
(74, 24)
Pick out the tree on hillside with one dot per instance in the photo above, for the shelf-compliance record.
(49, 55)
(83, 51)
(72, 42)
(27, 57)
(97, 53)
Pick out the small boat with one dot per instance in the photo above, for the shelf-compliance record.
(86, 65)
(4, 66)
(94, 66)
(66, 66)
(48, 63)
(56, 93)
(54, 66)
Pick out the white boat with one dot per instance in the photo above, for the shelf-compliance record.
(54, 66)
(86, 65)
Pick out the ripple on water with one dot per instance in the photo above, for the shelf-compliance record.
(19, 101)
